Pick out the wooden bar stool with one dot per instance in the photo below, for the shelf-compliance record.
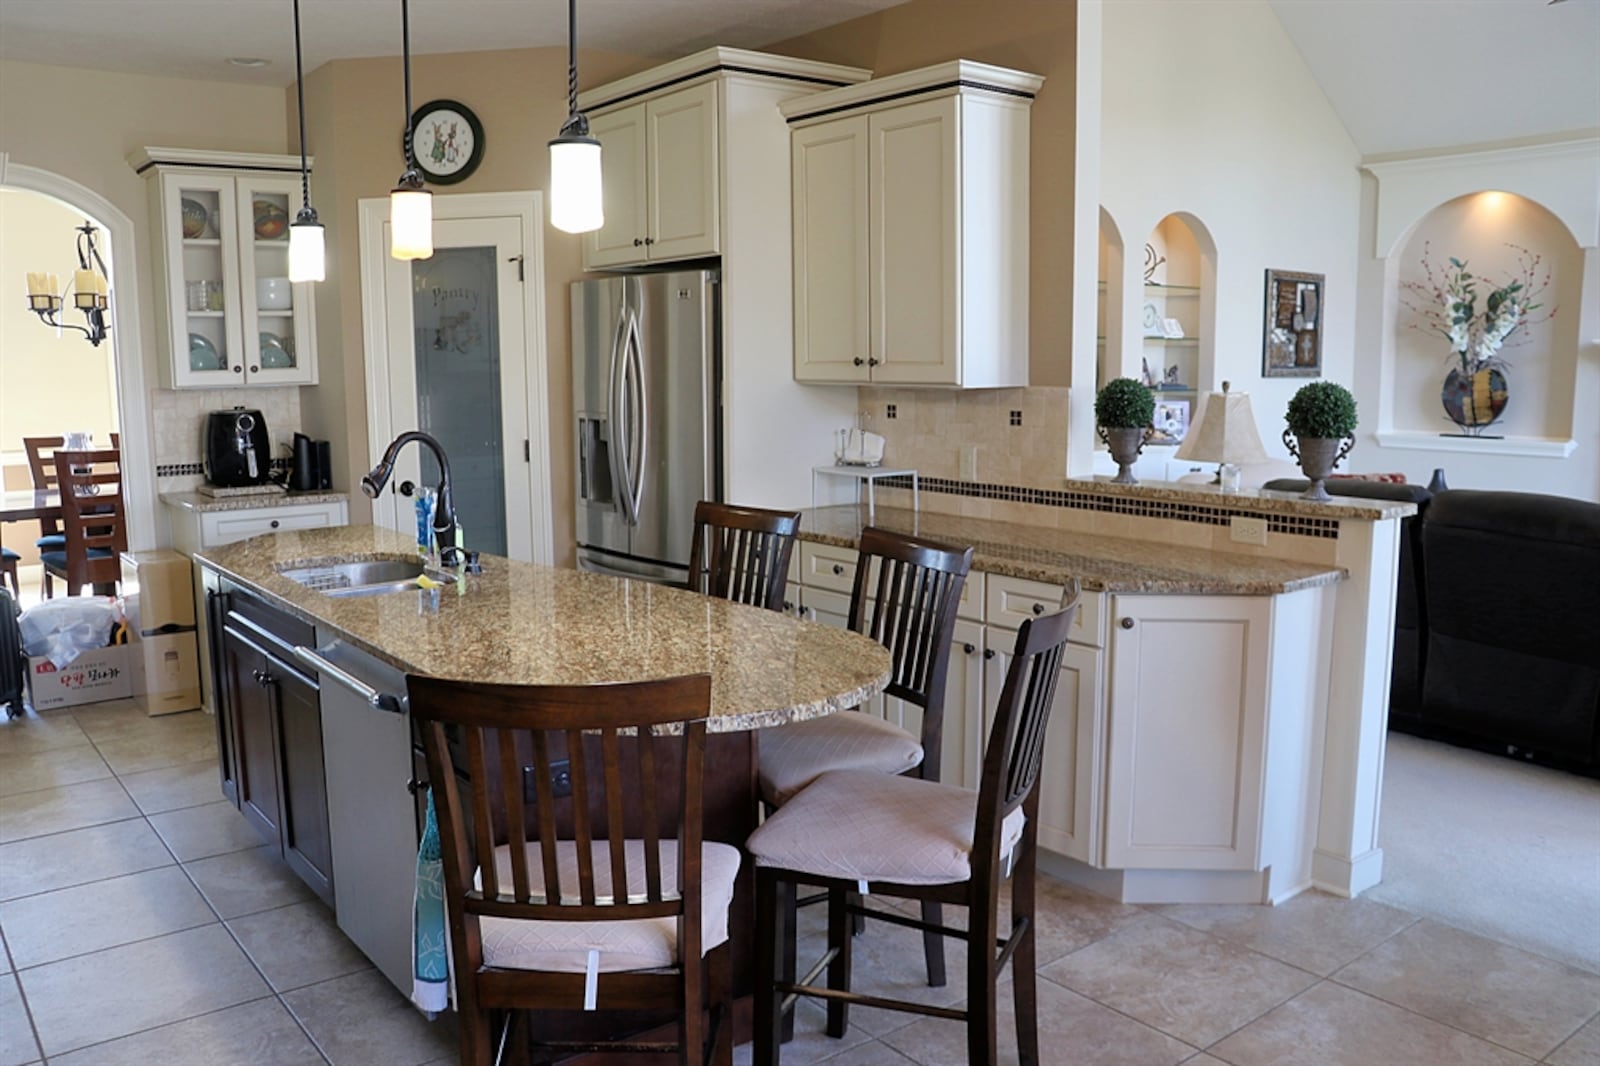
(592, 902)
(742, 553)
(878, 834)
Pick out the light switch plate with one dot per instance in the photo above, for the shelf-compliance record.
(969, 462)
(1248, 529)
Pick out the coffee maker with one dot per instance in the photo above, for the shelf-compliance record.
(238, 450)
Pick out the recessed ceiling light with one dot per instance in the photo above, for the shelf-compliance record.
(248, 61)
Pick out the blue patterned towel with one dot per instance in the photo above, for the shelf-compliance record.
(430, 945)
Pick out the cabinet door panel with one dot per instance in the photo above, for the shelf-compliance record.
(831, 295)
(964, 714)
(278, 342)
(254, 735)
(306, 844)
(210, 258)
(219, 696)
(1069, 782)
(683, 174)
(1187, 706)
(622, 174)
(913, 202)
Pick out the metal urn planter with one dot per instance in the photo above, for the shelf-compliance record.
(1317, 457)
(1125, 443)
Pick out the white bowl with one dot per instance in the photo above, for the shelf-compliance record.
(273, 294)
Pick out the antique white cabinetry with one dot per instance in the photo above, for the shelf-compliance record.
(910, 221)
(222, 226)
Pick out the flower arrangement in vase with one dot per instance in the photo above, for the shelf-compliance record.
(1475, 390)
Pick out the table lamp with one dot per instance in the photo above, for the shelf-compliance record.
(1224, 431)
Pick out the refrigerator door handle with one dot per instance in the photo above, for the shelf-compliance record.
(641, 427)
(620, 444)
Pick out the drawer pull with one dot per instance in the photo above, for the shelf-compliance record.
(968, 648)
(1038, 608)
(274, 523)
(838, 569)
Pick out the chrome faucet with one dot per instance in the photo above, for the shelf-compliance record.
(444, 515)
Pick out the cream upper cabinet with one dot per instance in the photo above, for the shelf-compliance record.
(931, 167)
(659, 166)
(221, 254)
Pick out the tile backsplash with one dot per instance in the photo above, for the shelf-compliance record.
(1020, 434)
(178, 419)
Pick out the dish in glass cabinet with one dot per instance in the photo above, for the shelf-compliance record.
(275, 354)
(203, 355)
(195, 218)
(272, 221)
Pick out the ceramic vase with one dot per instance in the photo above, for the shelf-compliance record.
(1125, 444)
(1474, 400)
(1317, 457)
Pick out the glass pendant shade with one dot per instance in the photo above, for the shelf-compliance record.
(307, 258)
(576, 201)
(410, 222)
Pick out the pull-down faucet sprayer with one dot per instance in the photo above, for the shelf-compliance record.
(444, 515)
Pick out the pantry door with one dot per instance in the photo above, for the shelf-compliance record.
(461, 358)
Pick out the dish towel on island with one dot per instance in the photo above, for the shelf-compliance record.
(430, 945)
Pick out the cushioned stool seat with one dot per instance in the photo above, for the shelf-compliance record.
(858, 825)
(793, 756)
(639, 944)
(59, 559)
(9, 556)
(51, 542)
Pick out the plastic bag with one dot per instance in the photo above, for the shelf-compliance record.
(62, 629)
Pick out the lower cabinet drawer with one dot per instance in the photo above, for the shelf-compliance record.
(225, 527)
(827, 567)
(1010, 601)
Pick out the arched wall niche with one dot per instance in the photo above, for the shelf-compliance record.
(1181, 286)
(1489, 230)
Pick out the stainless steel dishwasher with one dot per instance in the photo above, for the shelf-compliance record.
(372, 819)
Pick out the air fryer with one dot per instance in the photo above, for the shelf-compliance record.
(237, 448)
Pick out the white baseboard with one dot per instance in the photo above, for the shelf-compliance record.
(1346, 877)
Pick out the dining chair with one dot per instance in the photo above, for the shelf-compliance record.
(601, 896)
(904, 595)
(94, 518)
(742, 553)
(43, 470)
(8, 570)
(906, 838)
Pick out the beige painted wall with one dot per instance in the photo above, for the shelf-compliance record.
(1038, 36)
(355, 117)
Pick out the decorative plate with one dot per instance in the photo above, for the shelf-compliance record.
(274, 355)
(447, 140)
(195, 217)
(203, 355)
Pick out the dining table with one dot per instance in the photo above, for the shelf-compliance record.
(28, 505)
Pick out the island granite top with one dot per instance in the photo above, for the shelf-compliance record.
(523, 623)
(1100, 563)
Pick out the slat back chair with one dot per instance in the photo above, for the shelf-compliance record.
(569, 863)
(742, 553)
(94, 519)
(905, 596)
(43, 470)
(1011, 767)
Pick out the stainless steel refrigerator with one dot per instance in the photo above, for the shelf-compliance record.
(646, 363)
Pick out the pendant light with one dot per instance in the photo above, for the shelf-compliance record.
(576, 204)
(307, 259)
(410, 205)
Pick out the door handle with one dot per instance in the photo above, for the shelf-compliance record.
(641, 428)
(619, 419)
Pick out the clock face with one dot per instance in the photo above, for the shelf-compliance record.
(447, 140)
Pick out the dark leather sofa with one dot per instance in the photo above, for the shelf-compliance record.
(1497, 621)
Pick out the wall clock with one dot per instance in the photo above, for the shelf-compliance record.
(447, 140)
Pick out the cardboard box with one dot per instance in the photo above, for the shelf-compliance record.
(94, 676)
(164, 673)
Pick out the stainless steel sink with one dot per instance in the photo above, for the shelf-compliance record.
(367, 577)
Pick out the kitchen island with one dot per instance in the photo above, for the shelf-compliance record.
(316, 746)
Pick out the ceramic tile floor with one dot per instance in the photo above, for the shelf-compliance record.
(142, 922)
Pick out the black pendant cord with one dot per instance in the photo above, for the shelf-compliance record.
(307, 212)
(572, 58)
(405, 46)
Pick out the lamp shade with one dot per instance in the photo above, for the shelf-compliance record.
(307, 257)
(410, 222)
(577, 204)
(1224, 431)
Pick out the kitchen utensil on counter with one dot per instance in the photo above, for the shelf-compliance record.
(238, 449)
(310, 468)
(857, 447)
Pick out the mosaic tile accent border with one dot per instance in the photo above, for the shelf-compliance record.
(191, 469)
(1292, 525)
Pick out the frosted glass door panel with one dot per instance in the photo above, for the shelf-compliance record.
(456, 339)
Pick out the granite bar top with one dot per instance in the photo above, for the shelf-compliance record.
(200, 502)
(1100, 563)
(1262, 501)
(522, 623)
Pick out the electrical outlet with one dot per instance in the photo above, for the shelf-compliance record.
(1248, 529)
(560, 781)
(969, 462)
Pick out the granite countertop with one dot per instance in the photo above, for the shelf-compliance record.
(522, 623)
(1262, 501)
(200, 502)
(1100, 563)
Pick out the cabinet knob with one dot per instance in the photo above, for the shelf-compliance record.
(239, 369)
(872, 361)
(414, 786)
(1127, 623)
(649, 240)
(858, 361)
(988, 653)
(1038, 608)
(274, 523)
(838, 570)
(637, 243)
(255, 370)
(406, 488)
(968, 648)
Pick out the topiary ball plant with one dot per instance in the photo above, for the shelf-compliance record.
(1322, 426)
(1322, 409)
(1124, 404)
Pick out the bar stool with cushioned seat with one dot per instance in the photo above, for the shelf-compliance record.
(742, 553)
(855, 831)
(905, 595)
(590, 900)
